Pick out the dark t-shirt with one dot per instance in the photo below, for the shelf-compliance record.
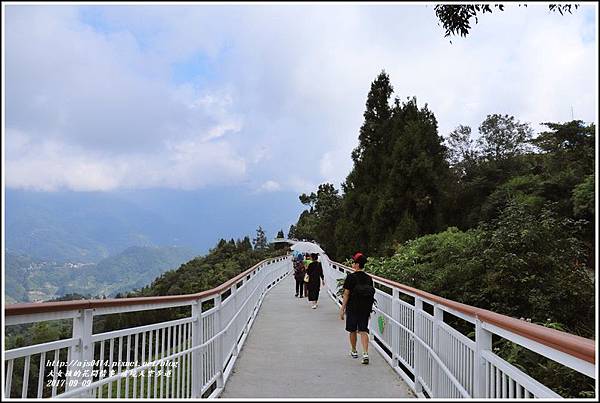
(314, 271)
(355, 305)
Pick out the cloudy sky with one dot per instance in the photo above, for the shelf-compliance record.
(267, 98)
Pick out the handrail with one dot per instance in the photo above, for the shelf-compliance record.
(184, 338)
(44, 307)
(576, 346)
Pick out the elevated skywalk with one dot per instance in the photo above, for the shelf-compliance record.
(294, 351)
(251, 338)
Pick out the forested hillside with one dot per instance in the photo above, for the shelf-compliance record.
(226, 260)
(30, 280)
(502, 221)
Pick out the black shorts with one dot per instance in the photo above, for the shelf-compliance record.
(357, 322)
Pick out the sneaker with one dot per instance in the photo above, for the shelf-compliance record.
(314, 307)
(354, 354)
(296, 295)
(365, 359)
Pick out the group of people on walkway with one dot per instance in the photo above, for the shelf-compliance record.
(309, 277)
(357, 300)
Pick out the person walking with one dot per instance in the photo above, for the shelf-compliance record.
(316, 279)
(359, 295)
(307, 261)
(299, 271)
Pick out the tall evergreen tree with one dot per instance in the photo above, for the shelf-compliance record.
(292, 232)
(411, 199)
(320, 219)
(360, 186)
(260, 242)
(394, 191)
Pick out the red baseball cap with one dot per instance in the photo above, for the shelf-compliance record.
(358, 257)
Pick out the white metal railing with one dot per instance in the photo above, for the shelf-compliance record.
(438, 361)
(200, 350)
(185, 358)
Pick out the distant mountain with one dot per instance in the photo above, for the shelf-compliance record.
(76, 227)
(89, 226)
(29, 279)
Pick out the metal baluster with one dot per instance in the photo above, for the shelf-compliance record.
(68, 367)
(174, 379)
(135, 359)
(144, 360)
(190, 361)
(101, 370)
(162, 355)
(181, 367)
(180, 362)
(110, 366)
(467, 373)
(93, 392)
(483, 342)
(55, 375)
(219, 341)
(492, 381)
(41, 375)
(154, 359)
(498, 383)
(418, 365)
(26, 376)
(119, 367)
(9, 371)
(197, 370)
(155, 368)
(471, 386)
(185, 362)
(128, 358)
(170, 350)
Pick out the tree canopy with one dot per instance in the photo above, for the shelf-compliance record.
(456, 18)
(503, 220)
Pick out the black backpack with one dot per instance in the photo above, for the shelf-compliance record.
(365, 293)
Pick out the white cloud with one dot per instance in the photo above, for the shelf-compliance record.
(285, 95)
(270, 186)
(335, 166)
(300, 185)
(51, 165)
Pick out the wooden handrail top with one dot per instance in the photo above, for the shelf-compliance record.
(45, 307)
(573, 345)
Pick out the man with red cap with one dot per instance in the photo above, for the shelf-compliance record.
(359, 295)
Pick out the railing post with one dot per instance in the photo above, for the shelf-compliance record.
(235, 295)
(395, 328)
(417, 345)
(438, 318)
(220, 341)
(483, 342)
(83, 353)
(197, 367)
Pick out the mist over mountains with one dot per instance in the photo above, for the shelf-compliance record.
(103, 243)
(86, 227)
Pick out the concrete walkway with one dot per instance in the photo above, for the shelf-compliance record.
(293, 351)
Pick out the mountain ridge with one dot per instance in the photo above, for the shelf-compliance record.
(31, 280)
